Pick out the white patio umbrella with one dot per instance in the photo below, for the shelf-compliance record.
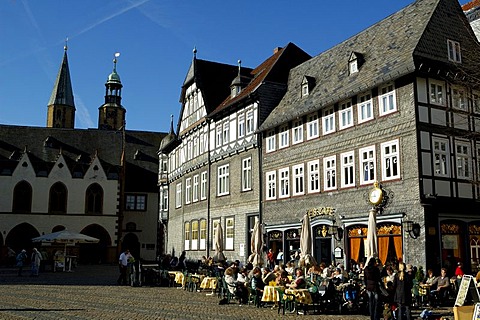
(256, 245)
(372, 241)
(65, 237)
(306, 244)
(218, 242)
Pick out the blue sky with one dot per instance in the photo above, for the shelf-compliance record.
(155, 39)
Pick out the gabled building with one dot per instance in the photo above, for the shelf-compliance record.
(396, 105)
(213, 173)
(101, 182)
(472, 11)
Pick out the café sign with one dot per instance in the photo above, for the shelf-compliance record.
(321, 211)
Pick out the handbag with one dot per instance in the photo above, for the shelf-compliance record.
(382, 290)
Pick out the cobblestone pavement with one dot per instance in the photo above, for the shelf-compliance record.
(90, 292)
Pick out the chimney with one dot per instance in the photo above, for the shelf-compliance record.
(277, 49)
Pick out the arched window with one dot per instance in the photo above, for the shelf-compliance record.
(58, 198)
(94, 199)
(22, 197)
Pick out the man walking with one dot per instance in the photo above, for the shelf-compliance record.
(123, 263)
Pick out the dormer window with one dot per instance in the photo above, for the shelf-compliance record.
(353, 66)
(307, 85)
(355, 62)
(304, 89)
(454, 51)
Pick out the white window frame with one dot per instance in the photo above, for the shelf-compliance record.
(441, 157)
(297, 132)
(229, 233)
(390, 160)
(195, 188)
(454, 51)
(347, 163)
(247, 174)
(437, 92)
(284, 183)
(283, 137)
(387, 100)
(313, 176)
(298, 173)
(188, 190)
(312, 127)
(271, 140)
(328, 121)
(365, 107)
(353, 66)
(305, 90)
(476, 101)
(463, 159)
(459, 98)
(241, 125)
(203, 185)
(226, 133)
(202, 143)
(368, 168)
(195, 234)
(203, 234)
(218, 140)
(186, 235)
(250, 124)
(330, 173)
(178, 195)
(345, 115)
(223, 181)
(271, 189)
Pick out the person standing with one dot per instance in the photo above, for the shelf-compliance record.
(270, 259)
(372, 280)
(403, 291)
(36, 259)
(122, 264)
(21, 259)
(280, 257)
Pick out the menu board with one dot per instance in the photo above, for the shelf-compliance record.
(467, 285)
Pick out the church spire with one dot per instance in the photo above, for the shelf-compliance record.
(112, 113)
(61, 106)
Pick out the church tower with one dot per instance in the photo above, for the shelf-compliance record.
(61, 107)
(111, 115)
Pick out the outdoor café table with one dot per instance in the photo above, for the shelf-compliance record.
(179, 277)
(209, 283)
(270, 294)
(301, 295)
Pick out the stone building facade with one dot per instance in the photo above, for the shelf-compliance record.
(100, 182)
(396, 105)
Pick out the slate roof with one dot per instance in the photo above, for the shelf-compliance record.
(388, 48)
(79, 147)
(272, 72)
(213, 79)
(62, 93)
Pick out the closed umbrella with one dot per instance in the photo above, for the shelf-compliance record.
(372, 241)
(256, 245)
(219, 256)
(306, 244)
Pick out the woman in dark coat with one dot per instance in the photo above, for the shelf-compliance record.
(403, 291)
(372, 279)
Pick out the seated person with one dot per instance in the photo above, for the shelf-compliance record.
(440, 294)
(337, 276)
(290, 268)
(257, 283)
(299, 282)
(267, 276)
(282, 279)
(235, 288)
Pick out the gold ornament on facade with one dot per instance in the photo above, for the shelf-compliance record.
(275, 235)
(322, 211)
(360, 231)
(450, 228)
(473, 229)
